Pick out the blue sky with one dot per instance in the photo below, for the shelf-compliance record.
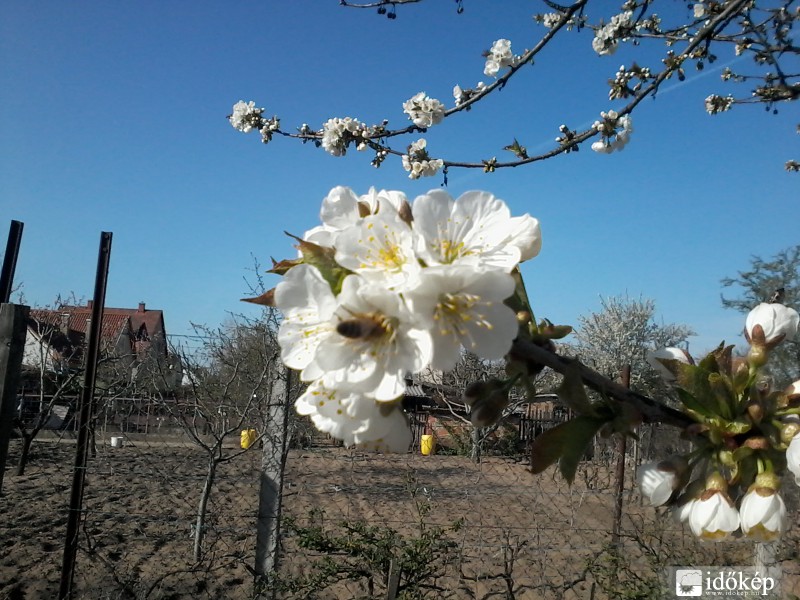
(112, 118)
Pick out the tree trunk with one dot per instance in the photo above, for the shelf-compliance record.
(202, 507)
(475, 438)
(27, 440)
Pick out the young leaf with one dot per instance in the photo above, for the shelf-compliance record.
(582, 432)
(572, 392)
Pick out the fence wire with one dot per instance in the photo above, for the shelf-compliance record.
(356, 526)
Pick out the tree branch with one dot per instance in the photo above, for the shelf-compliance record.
(651, 410)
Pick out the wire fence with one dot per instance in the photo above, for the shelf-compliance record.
(356, 525)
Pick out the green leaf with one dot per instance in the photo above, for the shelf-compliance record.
(573, 393)
(721, 387)
(709, 362)
(548, 447)
(690, 402)
(565, 443)
(582, 433)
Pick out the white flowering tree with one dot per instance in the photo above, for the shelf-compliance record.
(384, 287)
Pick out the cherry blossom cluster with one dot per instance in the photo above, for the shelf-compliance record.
(607, 37)
(385, 288)
(615, 131)
(423, 110)
(418, 163)
(744, 433)
(338, 134)
(717, 104)
(550, 20)
(498, 57)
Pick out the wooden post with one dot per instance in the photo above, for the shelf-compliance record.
(13, 328)
(273, 463)
(394, 581)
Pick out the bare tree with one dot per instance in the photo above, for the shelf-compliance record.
(228, 382)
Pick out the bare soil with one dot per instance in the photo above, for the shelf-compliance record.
(521, 536)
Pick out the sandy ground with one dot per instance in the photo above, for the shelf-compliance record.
(521, 536)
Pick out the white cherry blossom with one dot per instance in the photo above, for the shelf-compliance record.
(245, 116)
(477, 230)
(656, 482)
(713, 516)
(375, 343)
(352, 418)
(338, 133)
(423, 110)
(342, 209)
(308, 305)
(763, 514)
(499, 56)
(464, 305)
(381, 249)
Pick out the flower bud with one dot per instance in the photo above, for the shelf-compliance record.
(792, 392)
(755, 411)
(776, 321)
(757, 443)
(789, 431)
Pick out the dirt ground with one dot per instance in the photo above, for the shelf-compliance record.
(521, 536)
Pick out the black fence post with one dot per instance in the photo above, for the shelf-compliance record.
(84, 418)
(10, 260)
(13, 318)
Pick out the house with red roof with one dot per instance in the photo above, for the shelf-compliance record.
(133, 345)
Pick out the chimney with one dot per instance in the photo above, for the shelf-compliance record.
(141, 307)
(90, 304)
(64, 323)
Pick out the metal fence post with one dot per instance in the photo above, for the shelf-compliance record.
(84, 417)
(13, 328)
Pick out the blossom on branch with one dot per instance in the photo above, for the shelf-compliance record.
(713, 516)
(498, 57)
(424, 111)
(607, 38)
(418, 163)
(384, 289)
(476, 230)
(245, 116)
(338, 134)
(762, 511)
(615, 131)
(717, 104)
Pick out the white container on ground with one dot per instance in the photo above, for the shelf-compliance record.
(117, 441)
